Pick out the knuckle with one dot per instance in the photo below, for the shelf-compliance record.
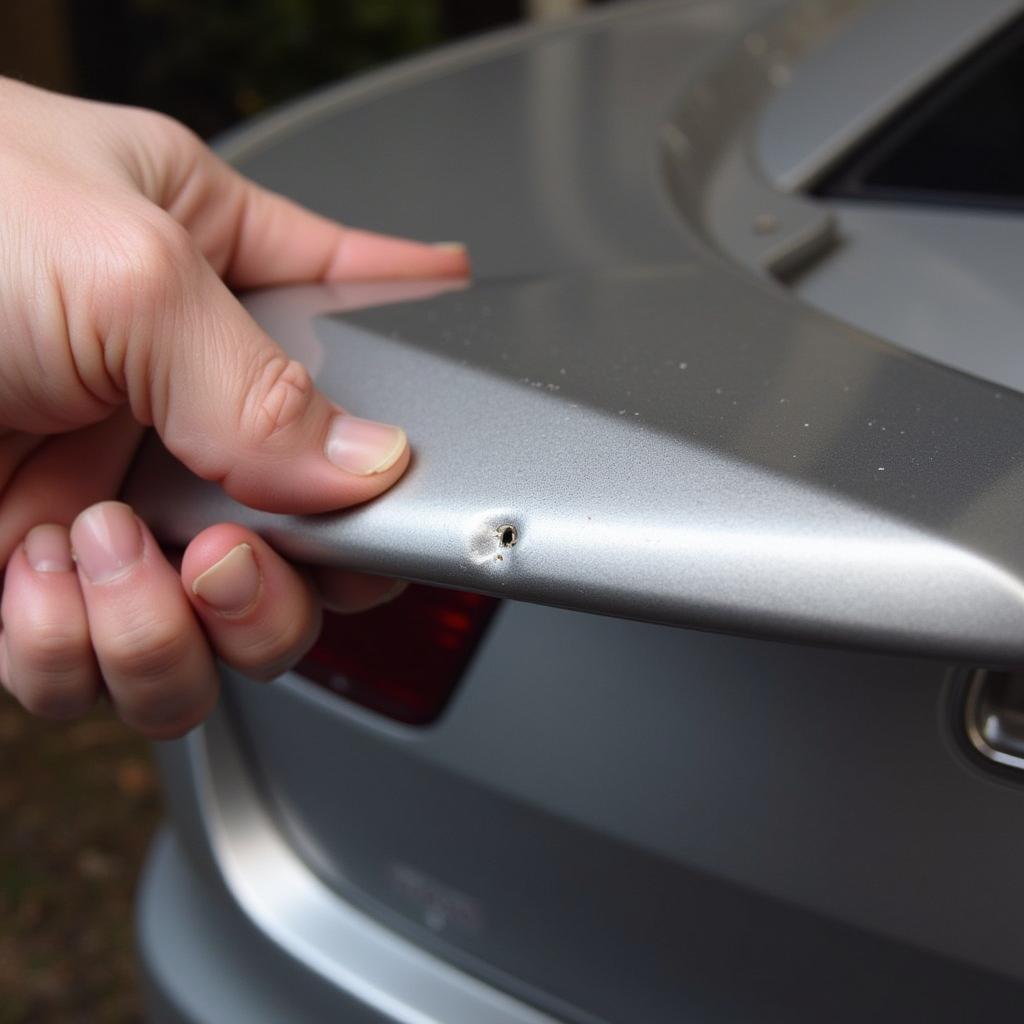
(270, 653)
(167, 129)
(150, 651)
(279, 398)
(55, 651)
(163, 684)
(170, 709)
(144, 263)
(57, 669)
(167, 138)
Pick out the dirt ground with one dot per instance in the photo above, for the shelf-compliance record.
(78, 805)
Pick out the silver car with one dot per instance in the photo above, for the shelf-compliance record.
(703, 706)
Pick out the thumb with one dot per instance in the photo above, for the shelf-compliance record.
(230, 404)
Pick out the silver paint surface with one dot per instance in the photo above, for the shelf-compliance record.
(381, 975)
(683, 445)
(655, 824)
(947, 282)
(675, 438)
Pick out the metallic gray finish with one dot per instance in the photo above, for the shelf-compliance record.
(382, 974)
(858, 78)
(745, 830)
(631, 823)
(742, 465)
(677, 441)
(946, 282)
(203, 962)
(709, 160)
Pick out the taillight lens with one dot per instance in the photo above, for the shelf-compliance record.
(405, 658)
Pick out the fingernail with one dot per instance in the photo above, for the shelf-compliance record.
(363, 447)
(47, 549)
(231, 585)
(450, 246)
(106, 540)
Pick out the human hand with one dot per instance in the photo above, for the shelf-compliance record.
(120, 234)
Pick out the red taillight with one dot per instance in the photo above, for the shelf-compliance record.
(405, 658)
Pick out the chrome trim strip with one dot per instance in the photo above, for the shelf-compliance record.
(975, 735)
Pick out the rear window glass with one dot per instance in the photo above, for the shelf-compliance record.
(961, 142)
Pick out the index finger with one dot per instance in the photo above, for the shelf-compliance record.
(256, 238)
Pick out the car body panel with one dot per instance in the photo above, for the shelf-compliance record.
(780, 818)
(932, 277)
(671, 437)
(616, 820)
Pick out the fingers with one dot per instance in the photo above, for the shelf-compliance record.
(48, 663)
(255, 238)
(149, 647)
(261, 616)
(122, 615)
(64, 476)
(117, 612)
(225, 398)
(279, 242)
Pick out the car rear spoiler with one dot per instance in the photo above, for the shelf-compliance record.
(680, 444)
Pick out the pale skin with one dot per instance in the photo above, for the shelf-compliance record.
(122, 242)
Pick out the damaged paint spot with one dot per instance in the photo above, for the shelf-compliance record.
(492, 535)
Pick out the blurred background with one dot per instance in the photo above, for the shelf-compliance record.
(211, 63)
(79, 801)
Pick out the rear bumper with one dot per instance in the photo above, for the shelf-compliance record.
(233, 926)
(202, 962)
